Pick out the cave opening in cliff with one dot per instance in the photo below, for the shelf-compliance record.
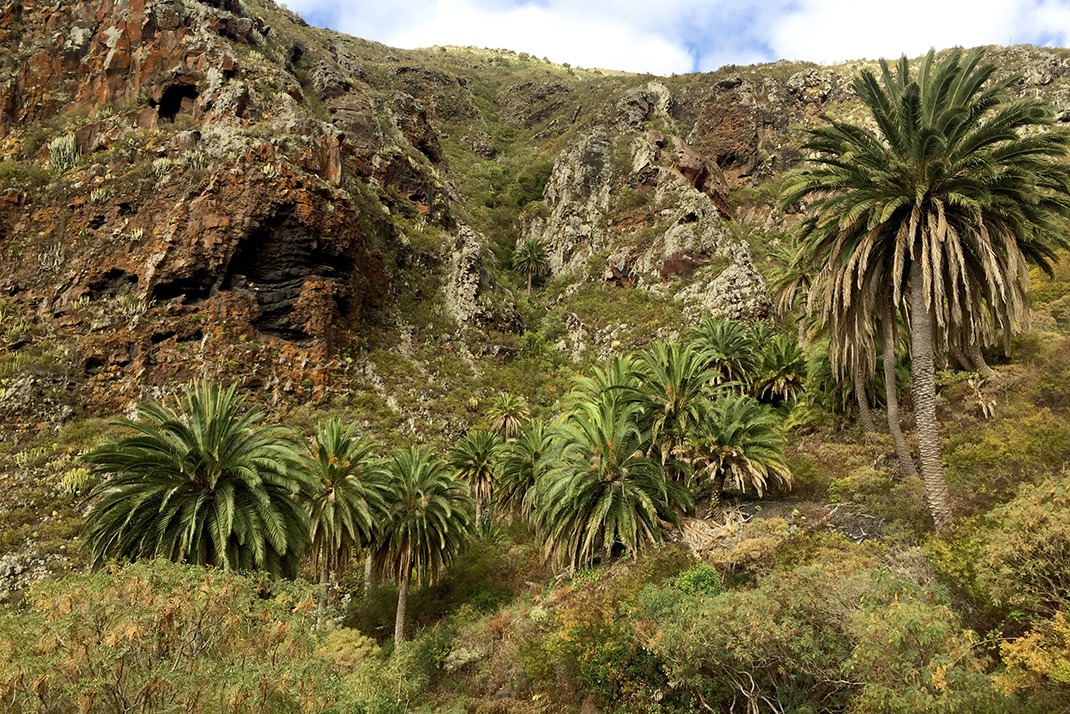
(275, 262)
(176, 98)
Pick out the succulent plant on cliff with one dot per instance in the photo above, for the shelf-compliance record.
(200, 481)
(934, 215)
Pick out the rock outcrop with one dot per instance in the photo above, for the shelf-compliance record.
(577, 199)
(738, 292)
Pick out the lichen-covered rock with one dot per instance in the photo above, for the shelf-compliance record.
(20, 570)
(642, 104)
(694, 230)
(577, 198)
(738, 292)
(472, 296)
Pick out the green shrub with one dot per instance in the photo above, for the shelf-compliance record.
(1027, 551)
(700, 580)
(838, 633)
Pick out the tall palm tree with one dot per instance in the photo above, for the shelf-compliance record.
(200, 481)
(939, 209)
(603, 493)
(347, 500)
(529, 257)
(890, 364)
(737, 443)
(521, 462)
(428, 522)
(474, 461)
(790, 283)
(508, 414)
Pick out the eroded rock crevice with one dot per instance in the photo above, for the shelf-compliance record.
(276, 262)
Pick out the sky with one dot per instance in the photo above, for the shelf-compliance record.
(678, 36)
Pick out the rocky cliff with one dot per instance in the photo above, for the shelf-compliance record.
(215, 189)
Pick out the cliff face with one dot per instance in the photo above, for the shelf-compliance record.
(216, 189)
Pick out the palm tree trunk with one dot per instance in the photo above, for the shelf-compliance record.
(529, 282)
(403, 598)
(367, 573)
(960, 357)
(978, 358)
(923, 381)
(891, 396)
(864, 414)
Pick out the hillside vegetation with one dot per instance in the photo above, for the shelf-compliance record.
(454, 380)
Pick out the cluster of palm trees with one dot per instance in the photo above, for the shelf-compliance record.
(640, 442)
(634, 446)
(929, 217)
(203, 481)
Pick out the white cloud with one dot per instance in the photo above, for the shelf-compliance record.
(680, 35)
(570, 34)
(836, 30)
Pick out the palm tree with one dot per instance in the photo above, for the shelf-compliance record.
(428, 522)
(348, 498)
(521, 462)
(782, 370)
(738, 443)
(939, 210)
(529, 257)
(727, 348)
(508, 413)
(603, 493)
(790, 283)
(474, 461)
(200, 481)
(617, 381)
(673, 379)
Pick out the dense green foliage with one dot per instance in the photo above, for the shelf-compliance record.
(200, 482)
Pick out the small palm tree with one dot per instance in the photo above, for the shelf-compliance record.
(200, 481)
(508, 414)
(428, 523)
(727, 349)
(474, 461)
(738, 444)
(617, 381)
(529, 257)
(347, 500)
(782, 374)
(673, 379)
(604, 493)
(521, 462)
